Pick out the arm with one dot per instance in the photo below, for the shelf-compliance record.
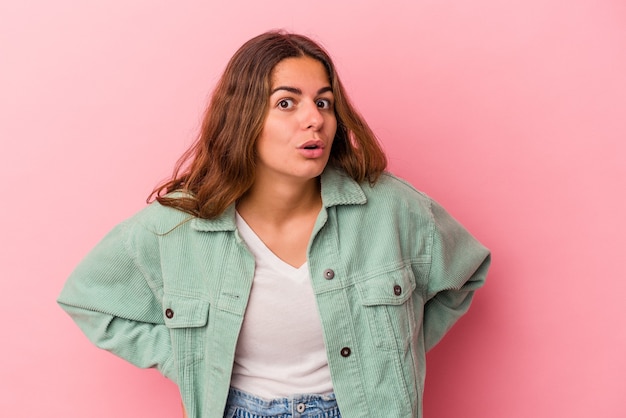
(111, 296)
(459, 266)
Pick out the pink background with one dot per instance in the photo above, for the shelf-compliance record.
(511, 114)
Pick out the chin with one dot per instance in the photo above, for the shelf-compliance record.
(313, 171)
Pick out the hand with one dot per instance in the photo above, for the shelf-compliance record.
(184, 412)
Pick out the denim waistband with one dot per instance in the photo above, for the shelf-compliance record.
(241, 404)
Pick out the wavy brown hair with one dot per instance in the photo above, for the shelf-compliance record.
(220, 166)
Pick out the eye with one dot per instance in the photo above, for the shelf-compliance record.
(324, 104)
(285, 104)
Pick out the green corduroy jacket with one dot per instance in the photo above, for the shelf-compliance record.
(390, 269)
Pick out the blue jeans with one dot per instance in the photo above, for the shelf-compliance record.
(244, 405)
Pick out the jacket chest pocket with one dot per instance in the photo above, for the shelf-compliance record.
(187, 320)
(386, 300)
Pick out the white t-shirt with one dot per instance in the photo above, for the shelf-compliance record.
(280, 351)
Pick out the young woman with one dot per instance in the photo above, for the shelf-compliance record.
(281, 271)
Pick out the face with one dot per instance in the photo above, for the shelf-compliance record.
(300, 125)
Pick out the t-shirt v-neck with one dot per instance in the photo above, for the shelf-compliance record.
(280, 350)
(262, 252)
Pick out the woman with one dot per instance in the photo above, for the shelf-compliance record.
(281, 271)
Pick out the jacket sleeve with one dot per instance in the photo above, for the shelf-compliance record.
(113, 297)
(459, 266)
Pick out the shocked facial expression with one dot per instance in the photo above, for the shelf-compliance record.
(300, 124)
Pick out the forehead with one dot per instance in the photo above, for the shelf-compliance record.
(300, 70)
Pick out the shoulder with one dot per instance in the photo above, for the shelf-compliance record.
(157, 219)
(394, 192)
(338, 188)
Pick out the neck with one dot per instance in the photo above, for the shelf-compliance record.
(276, 202)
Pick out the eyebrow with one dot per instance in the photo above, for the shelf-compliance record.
(298, 91)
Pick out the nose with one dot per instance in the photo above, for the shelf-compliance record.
(313, 118)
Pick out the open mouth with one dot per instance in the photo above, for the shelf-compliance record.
(312, 145)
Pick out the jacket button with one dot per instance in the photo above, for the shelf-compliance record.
(345, 352)
(169, 313)
(397, 290)
(329, 274)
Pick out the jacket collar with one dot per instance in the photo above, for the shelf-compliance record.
(337, 189)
